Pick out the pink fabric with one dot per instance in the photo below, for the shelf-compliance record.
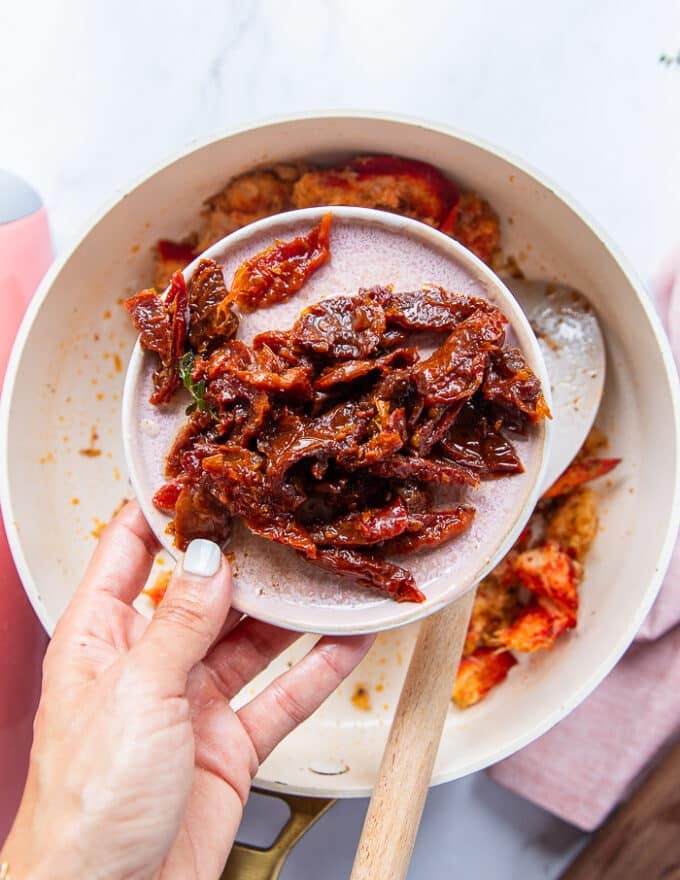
(25, 254)
(585, 765)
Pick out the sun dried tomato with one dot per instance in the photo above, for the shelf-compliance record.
(332, 436)
(278, 272)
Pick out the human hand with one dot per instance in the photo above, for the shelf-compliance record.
(139, 767)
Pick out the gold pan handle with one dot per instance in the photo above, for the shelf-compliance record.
(256, 863)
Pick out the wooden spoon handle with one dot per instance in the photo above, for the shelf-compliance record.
(394, 812)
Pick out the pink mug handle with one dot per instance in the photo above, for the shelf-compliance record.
(25, 255)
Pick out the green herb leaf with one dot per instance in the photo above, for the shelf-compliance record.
(196, 389)
(185, 366)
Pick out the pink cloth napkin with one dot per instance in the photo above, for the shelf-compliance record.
(584, 766)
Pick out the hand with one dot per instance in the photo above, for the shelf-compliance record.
(139, 766)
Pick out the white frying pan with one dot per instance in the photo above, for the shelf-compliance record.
(63, 396)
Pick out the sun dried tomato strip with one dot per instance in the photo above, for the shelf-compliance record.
(178, 299)
(152, 321)
(279, 271)
(293, 438)
(198, 514)
(365, 527)
(457, 368)
(340, 327)
(162, 325)
(424, 469)
(368, 571)
(294, 381)
(511, 382)
(188, 437)
(166, 379)
(349, 371)
(580, 472)
(429, 430)
(475, 441)
(428, 530)
(208, 322)
(430, 308)
(284, 530)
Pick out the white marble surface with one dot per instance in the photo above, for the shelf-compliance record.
(93, 95)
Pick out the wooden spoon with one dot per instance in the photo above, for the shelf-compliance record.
(573, 349)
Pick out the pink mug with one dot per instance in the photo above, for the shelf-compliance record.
(25, 254)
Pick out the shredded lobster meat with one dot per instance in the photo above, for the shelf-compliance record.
(406, 186)
(535, 628)
(531, 598)
(330, 437)
(478, 673)
(573, 522)
(389, 183)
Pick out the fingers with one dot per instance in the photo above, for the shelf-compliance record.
(293, 696)
(234, 617)
(189, 618)
(122, 561)
(247, 650)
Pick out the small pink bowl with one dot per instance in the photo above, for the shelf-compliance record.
(271, 582)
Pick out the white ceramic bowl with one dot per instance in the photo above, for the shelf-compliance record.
(74, 331)
(271, 582)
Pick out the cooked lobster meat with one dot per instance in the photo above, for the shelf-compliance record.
(389, 183)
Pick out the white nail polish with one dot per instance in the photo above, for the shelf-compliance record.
(202, 557)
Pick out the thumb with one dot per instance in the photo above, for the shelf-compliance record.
(190, 616)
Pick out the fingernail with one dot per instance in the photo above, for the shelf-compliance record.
(202, 557)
